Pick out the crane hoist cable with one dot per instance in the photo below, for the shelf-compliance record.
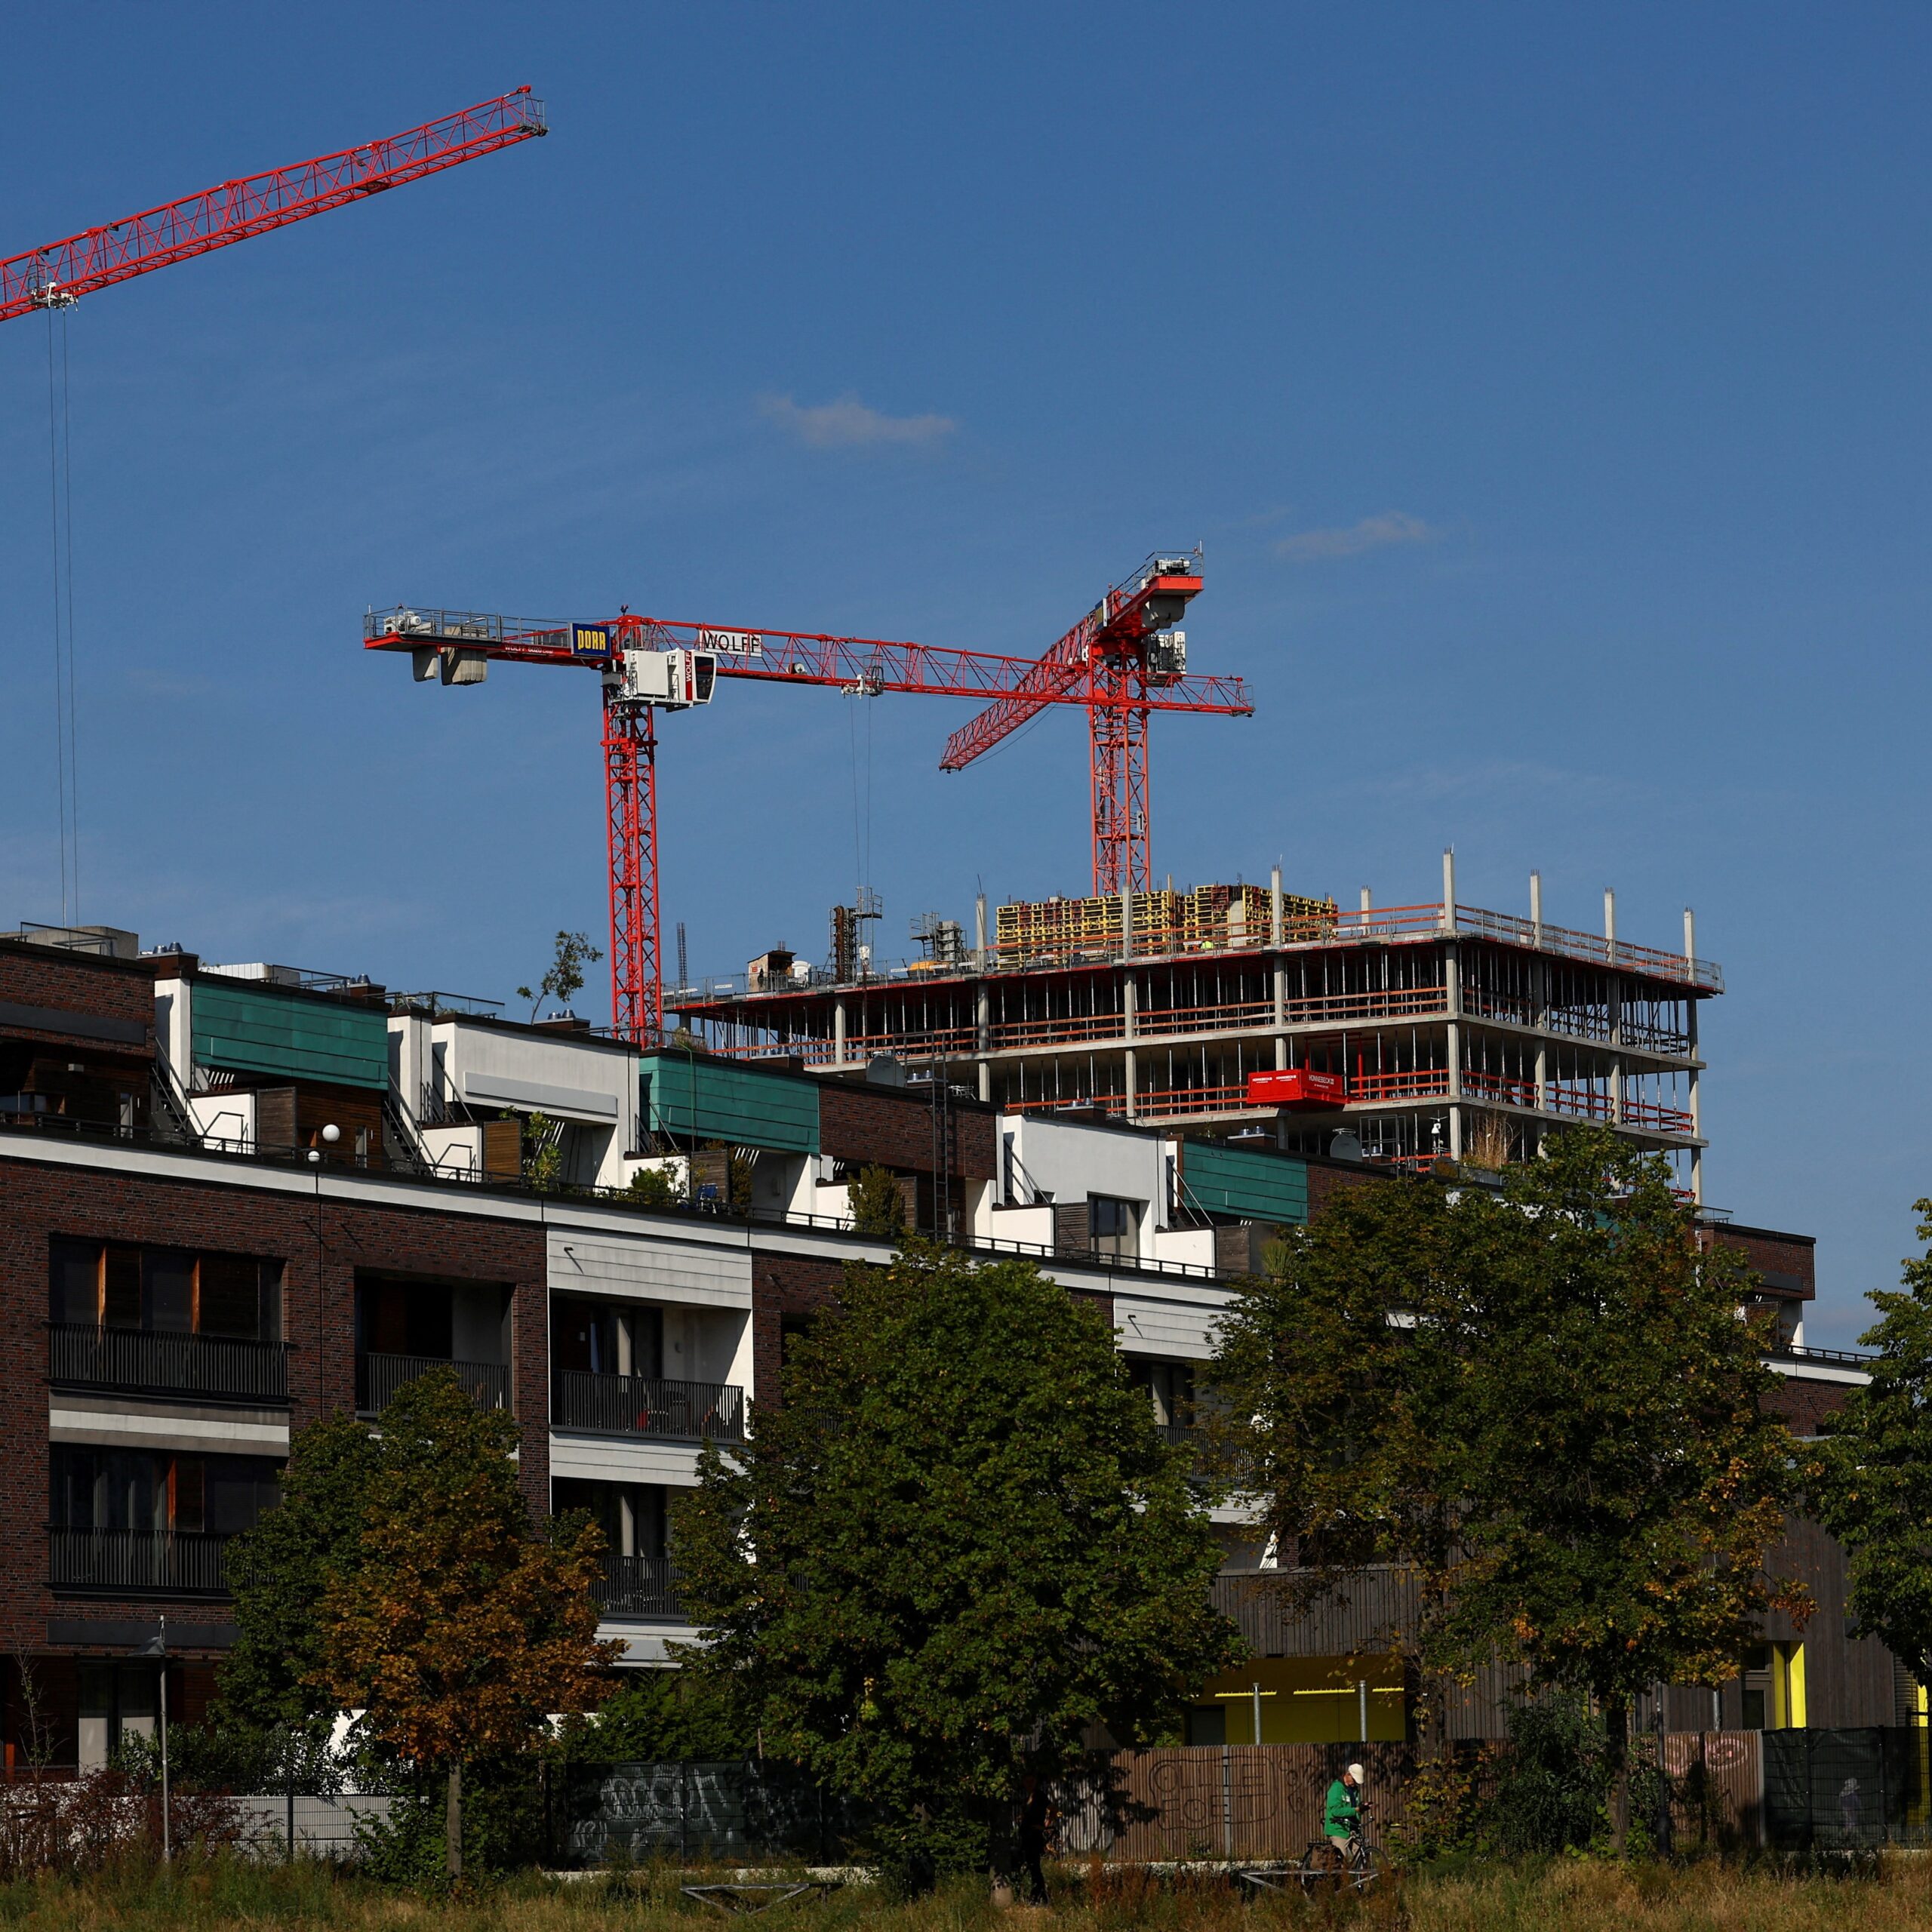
(60, 527)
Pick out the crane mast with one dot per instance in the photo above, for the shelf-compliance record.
(650, 664)
(1113, 661)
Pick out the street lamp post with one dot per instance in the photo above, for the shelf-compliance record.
(157, 1647)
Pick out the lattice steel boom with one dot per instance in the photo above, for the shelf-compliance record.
(62, 272)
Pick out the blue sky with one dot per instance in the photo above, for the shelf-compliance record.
(1548, 387)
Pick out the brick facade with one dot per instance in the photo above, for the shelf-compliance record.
(112, 1000)
(321, 1240)
(894, 1127)
(1788, 1262)
(1804, 1404)
(784, 1285)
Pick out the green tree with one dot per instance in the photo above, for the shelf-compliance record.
(957, 1545)
(878, 1203)
(279, 1571)
(655, 1187)
(1540, 1400)
(564, 978)
(541, 1140)
(1873, 1486)
(458, 1631)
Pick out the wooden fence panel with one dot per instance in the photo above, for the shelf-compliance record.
(1718, 1789)
(1227, 1801)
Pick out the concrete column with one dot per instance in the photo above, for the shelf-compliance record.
(1277, 931)
(1133, 1081)
(1690, 1028)
(1452, 977)
(1539, 992)
(1126, 924)
(1616, 996)
(1449, 890)
(1129, 1006)
(979, 933)
(1616, 1051)
(838, 1032)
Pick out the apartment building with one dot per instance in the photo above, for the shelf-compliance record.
(233, 1199)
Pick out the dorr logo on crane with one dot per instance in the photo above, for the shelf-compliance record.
(736, 644)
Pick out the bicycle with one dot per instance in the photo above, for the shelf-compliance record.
(1356, 1868)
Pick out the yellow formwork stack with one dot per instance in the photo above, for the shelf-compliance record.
(1211, 918)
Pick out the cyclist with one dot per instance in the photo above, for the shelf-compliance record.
(1341, 1816)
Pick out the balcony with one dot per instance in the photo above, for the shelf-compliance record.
(639, 1586)
(190, 1563)
(378, 1377)
(644, 1405)
(211, 1367)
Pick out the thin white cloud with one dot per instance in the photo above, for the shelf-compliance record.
(847, 423)
(1373, 533)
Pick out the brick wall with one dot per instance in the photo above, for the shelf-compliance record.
(321, 1246)
(1789, 1262)
(38, 977)
(1328, 1178)
(782, 1285)
(1804, 1404)
(893, 1126)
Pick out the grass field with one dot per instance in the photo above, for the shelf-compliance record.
(1567, 1897)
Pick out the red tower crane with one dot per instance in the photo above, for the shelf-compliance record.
(61, 272)
(1126, 648)
(649, 664)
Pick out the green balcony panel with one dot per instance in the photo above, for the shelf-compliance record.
(1257, 1187)
(267, 1029)
(700, 1100)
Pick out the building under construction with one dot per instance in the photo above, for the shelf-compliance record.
(1405, 1033)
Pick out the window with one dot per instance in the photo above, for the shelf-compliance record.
(158, 1490)
(631, 1515)
(1170, 1386)
(400, 1318)
(604, 1338)
(1113, 1226)
(165, 1290)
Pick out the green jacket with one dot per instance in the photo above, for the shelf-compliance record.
(1340, 1815)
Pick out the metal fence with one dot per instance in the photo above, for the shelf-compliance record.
(1828, 1791)
(1848, 1790)
(188, 1563)
(276, 1824)
(378, 1377)
(81, 1355)
(627, 1813)
(643, 1585)
(648, 1405)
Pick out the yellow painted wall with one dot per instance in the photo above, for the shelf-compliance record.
(1311, 1700)
(1788, 1702)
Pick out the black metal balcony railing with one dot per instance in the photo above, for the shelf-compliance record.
(378, 1377)
(139, 1562)
(80, 1354)
(640, 1585)
(644, 1405)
